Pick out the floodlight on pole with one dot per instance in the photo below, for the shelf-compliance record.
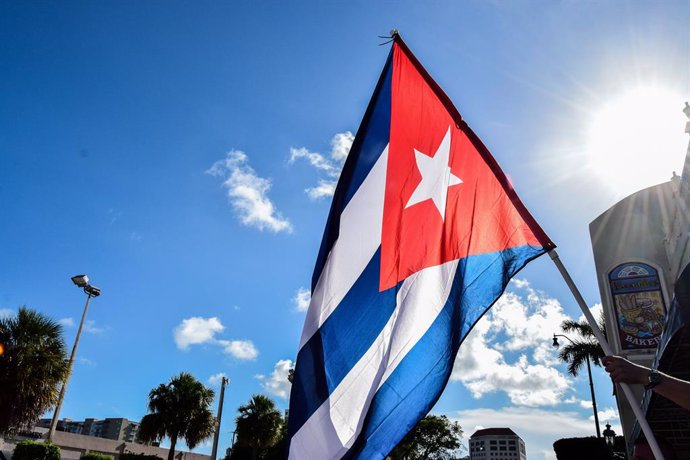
(81, 281)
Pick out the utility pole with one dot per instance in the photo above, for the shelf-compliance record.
(224, 382)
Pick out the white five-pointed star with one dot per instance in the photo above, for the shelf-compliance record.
(436, 177)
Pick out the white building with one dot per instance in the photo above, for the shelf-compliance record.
(497, 444)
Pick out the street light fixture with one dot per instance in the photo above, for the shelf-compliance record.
(591, 384)
(81, 281)
(609, 436)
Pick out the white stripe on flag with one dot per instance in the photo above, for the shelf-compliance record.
(359, 238)
(335, 425)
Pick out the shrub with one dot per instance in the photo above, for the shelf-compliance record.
(32, 450)
(95, 456)
(590, 448)
(131, 456)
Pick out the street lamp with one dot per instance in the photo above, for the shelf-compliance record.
(609, 436)
(591, 384)
(81, 281)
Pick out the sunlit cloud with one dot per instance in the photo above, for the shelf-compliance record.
(302, 299)
(241, 349)
(523, 322)
(329, 165)
(277, 383)
(91, 328)
(324, 189)
(66, 322)
(217, 379)
(608, 415)
(85, 361)
(89, 325)
(196, 330)
(248, 193)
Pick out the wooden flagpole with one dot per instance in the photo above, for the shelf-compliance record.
(642, 420)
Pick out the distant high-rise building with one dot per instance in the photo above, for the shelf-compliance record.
(497, 444)
(118, 429)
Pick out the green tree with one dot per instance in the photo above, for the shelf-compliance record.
(258, 428)
(180, 409)
(586, 345)
(434, 438)
(33, 363)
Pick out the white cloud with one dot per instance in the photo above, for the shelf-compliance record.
(277, 383)
(6, 312)
(66, 322)
(248, 193)
(317, 160)
(240, 349)
(524, 323)
(196, 330)
(325, 189)
(586, 404)
(539, 428)
(90, 327)
(520, 283)
(607, 415)
(85, 361)
(595, 309)
(302, 299)
(216, 379)
(340, 147)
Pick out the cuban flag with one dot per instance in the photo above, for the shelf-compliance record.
(424, 233)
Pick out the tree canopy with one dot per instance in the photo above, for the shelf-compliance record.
(259, 427)
(576, 353)
(33, 364)
(434, 438)
(179, 409)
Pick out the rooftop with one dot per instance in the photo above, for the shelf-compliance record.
(494, 432)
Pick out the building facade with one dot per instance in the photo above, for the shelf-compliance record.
(117, 429)
(641, 249)
(497, 444)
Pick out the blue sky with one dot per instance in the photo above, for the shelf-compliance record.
(181, 154)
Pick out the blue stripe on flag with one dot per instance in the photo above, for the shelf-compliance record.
(347, 334)
(372, 138)
(418, 381)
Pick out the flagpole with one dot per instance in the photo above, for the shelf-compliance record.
(642, 420)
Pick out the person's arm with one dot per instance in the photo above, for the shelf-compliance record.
(623, 371)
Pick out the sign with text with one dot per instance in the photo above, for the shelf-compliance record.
(639, 305)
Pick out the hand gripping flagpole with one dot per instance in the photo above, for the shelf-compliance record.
(642, 420)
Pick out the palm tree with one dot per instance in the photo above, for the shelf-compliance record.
(575, 353)
(258, 426)
(179, 409)
(33, 363)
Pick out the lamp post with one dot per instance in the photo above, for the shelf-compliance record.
(609, 436)
(81, 281)
(591, 384)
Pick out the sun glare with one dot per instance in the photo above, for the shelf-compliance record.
(637, 138)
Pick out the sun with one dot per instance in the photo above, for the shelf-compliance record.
(636, 139)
